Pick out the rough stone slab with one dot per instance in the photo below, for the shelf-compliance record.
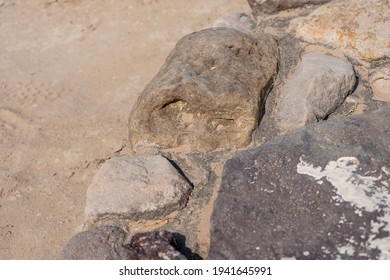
(380, 83)
(361, 28)
(136, 188)
(207, 95)
(317, 88)
(321, 192)
(101, 243)
(274, 6)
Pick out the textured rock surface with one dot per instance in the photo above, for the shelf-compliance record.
(317, 88)
(207, 95)
(361, 28)
(136, 188)
(273, 6)
(102, 243)
(380, 83)
(156, 245)
(321, 192)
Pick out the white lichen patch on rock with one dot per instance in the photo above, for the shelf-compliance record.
(365, 193)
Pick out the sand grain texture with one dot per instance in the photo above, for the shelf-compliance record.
(70, 71)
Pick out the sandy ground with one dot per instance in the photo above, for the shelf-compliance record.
(70, 74)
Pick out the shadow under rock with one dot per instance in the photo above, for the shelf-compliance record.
(181, 246)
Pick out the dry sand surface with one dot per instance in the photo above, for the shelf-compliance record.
(70, 74)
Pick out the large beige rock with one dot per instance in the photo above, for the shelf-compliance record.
(361, 28)
(207, 95)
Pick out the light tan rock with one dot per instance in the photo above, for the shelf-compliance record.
(361, 28)
(135, 188)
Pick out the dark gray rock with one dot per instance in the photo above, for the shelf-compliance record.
(101, 243)
(156, 245)
(207, 95)
(321, 192)
(274, 6)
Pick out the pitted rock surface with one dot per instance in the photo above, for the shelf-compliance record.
(207, 95)
(360, 28)
(321, 192)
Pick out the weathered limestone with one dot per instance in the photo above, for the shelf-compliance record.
(360, 28)
(135, 188)
(207, 95)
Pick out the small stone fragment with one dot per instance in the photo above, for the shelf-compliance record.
(136, 188)
(156, 245)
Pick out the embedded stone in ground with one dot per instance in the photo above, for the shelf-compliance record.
(321, 192)
(317, 88)
(136, 188)
(207, 95)
(360, 28)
